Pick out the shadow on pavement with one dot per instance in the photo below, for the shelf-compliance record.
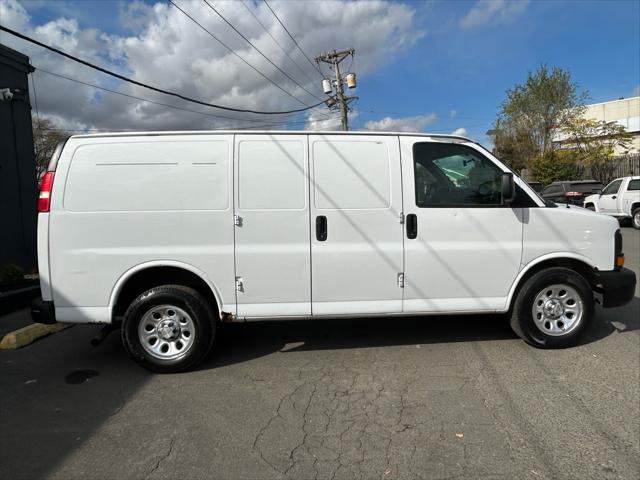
(57, 393)
(242, 342)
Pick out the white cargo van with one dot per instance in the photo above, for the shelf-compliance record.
(171, 233)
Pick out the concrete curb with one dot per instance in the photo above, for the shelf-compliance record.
(27, 335)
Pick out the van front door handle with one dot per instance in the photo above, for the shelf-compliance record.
(412, 225)
(321, 228)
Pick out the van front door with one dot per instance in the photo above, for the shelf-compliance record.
(357, 239)
(463, 245)
(272, 250)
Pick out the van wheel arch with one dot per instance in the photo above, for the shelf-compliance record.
(581, 268)
(156, 276)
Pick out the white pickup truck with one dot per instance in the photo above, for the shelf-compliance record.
(621, 199)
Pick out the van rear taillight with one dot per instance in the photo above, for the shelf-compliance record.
(574, 194)
(44, 200)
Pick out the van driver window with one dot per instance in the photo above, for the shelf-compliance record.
(449, 175)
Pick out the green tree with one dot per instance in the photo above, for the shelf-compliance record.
(515, 148)
(555, 165)
(532, 112)
(594, 141)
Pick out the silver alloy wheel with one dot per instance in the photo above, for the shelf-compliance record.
(636, 219)
(557, 310)
(166, 332)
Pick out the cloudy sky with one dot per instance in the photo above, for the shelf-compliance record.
(440, 66)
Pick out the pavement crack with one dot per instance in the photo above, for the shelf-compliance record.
(162, 459)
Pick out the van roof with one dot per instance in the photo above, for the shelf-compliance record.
(268, 132)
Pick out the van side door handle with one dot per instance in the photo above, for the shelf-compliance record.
(321, 228)
(412, 225)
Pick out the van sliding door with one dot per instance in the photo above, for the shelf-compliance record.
(272, 248)
(357, 236)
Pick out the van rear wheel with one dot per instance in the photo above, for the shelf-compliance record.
(169, 328)
(553, 308)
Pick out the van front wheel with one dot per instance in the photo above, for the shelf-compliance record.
(168, 328)
(553, 308)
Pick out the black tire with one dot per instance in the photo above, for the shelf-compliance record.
(522, 318)
(201, 316)
(635, 218)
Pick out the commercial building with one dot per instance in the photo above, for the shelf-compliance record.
(18, 186)
(625, 112)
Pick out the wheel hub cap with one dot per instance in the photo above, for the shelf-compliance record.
(166, 332)
(557, 309)
(553, 308)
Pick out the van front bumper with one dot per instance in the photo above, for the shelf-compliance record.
(617, 287)
(43, 311)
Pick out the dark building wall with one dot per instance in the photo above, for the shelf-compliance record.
(18, 184)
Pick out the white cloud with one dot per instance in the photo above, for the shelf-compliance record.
(494, 12)
(636, 91)
(317, 122)
(171, 52)
(460, 131)
(453, 113)
(404, 124)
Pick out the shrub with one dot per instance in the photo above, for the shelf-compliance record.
(555, 166)
(11, 274)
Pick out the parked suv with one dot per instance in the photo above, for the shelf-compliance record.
(537, 186)
(169, 233)
(572, 193)
(621, 199)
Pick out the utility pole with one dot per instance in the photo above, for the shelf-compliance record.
(340, 99)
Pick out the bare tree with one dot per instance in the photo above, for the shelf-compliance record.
(45, 138)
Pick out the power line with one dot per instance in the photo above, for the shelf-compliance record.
(308, 107)
(276, 41)
(260, 52)
(146, 99)
(254, 127)
(155, 89)
(261, 125)
(293, 39)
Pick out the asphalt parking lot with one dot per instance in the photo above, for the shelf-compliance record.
(434, 398)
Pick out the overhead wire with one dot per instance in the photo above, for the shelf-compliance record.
(233, 52)
(293, 39)
(135, 97)
(217, 12)
(276, 41)
(261, 123)
(156, 89)
(253, 127)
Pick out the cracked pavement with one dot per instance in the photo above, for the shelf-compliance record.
(431, 398)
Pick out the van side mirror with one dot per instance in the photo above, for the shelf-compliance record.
(508, 188)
